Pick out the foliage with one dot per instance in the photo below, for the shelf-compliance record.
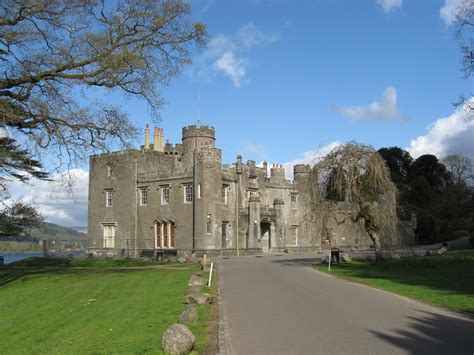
(18, 219)
(92, 310)
(471, 241)
(439, 195)
(399, 162)
(444, 280)
(353, 172)
(357, 174)
(52, 51)
(432, 170)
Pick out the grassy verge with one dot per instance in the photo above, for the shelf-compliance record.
(444, 280)
(101, 308)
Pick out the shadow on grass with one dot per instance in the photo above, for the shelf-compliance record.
(432, 334)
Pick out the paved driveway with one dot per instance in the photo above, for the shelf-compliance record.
(279, 305)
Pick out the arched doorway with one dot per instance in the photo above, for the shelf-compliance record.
(266, 232)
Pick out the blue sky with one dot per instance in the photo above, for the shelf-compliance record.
(304, 62)
(284, 80)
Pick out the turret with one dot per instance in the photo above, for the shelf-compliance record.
(301, 172)
(198, 137)
(277, 172)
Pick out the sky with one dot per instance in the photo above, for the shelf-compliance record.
(285, 81)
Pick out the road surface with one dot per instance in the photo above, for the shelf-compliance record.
(280, 305)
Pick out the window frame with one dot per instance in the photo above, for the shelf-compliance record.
(225, 194)
(188, 193)
(109, 194)
(143, 196)
(108, 240)
(294, 201)
(165, 196)
(294, 235)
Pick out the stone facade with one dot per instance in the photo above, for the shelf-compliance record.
(166, 198)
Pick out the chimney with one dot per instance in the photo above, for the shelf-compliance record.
(147, 138)
(155, 140)
(158, 140)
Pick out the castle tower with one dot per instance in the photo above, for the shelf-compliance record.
(198, 137)
(277, 172)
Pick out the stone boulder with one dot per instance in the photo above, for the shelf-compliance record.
(198, 298)
(181, 260)
(347, 258)
(196, 280)
(177, 339)
(189, 315)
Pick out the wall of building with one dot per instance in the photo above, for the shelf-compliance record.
(257, 199)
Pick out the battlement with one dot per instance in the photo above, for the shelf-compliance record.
(301, 169)
(198, 131)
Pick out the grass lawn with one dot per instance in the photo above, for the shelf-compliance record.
(101, 308)
(444, 280)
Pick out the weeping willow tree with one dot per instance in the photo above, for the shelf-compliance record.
(356, 174)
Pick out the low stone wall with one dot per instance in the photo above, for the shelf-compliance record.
(293, 250)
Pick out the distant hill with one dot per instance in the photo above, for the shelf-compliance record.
(51, 231)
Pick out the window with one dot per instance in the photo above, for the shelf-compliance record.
(109, 236)
(143, 196)
(188, 193)
(209, 227)
(164, 234)
(224, 193)
(199, 190)
(165, 195)
(294, 235)
(294, 201)
(109, 171)
(108, 198)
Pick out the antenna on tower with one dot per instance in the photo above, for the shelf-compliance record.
(198, 108)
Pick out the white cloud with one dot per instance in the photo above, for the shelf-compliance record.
(449, 10)
(234, 68)
(62, 201)
(250, 36)
(389, 5)
(229, 55)
(381, 111)
(253, 148)
(449, 135)
(310, 157)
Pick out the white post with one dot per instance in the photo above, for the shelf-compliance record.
(329, 263)
(210, 275)
(205, 260)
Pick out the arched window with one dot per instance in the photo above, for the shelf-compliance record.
(165, 235)
(171, 226)
(158, 227)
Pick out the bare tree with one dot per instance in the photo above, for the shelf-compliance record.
(357, 174)
(53, 51)
(460, 167)
(463, 33)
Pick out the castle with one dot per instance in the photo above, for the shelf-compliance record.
(182, 199)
